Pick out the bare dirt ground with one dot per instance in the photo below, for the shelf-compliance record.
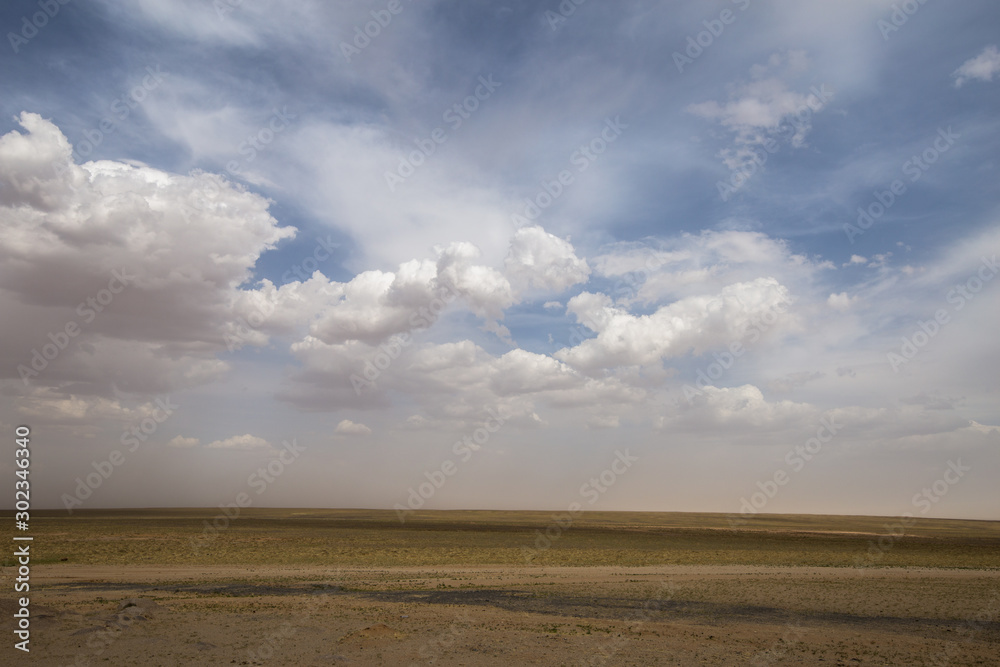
(502, 615)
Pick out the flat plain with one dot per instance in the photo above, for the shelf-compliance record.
(328, 587)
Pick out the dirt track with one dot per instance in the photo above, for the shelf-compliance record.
(666, 615)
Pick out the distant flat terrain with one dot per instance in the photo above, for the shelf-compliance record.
(374, 537)
(330, 587)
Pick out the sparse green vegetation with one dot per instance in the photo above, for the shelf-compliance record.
(377, 538)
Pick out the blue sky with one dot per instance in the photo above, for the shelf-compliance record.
(290, 196)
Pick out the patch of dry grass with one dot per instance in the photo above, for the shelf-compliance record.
(377, 538)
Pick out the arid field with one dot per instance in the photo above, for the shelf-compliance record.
(330, 587)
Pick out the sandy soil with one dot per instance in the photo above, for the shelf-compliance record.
(663, 615)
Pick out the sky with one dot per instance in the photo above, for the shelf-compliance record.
(733, 256)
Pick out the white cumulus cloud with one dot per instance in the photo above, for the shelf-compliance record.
(244, 442)
(542, 260)
(696, 323)
(983, 67)
(347, 427)
(144, 266)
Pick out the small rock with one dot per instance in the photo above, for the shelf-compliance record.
(138, 607)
